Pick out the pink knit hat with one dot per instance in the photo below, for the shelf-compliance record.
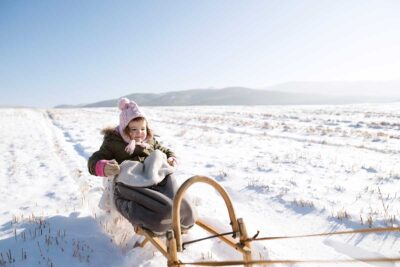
(129, 111)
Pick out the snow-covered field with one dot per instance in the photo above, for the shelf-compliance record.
(288, 169)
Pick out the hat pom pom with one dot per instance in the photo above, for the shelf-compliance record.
(123, 103)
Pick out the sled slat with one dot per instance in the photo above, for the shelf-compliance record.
(154, 240)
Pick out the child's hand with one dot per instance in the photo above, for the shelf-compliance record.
(111, 168)
(172, 161)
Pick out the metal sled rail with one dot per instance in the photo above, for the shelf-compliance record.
(239, 240)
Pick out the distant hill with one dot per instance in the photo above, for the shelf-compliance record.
(70, 106)
(295, 93)
(225, 96)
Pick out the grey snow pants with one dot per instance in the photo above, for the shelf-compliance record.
(151, 208)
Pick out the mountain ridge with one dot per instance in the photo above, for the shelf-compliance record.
(291, 93)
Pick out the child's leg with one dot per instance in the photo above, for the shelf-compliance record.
(144, 207)
(188, 214)
(152, 207)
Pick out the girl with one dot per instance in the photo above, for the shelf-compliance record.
(149, 207)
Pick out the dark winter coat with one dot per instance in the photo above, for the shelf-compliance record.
(113, 147)
(150, 207)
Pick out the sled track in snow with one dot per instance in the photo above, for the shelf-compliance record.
(59, 146)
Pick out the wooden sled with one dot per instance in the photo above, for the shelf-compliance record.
(239, 240)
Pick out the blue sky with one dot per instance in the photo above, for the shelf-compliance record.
(71, 52)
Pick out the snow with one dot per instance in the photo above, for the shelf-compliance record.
(289, 170)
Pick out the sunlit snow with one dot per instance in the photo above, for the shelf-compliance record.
(289, 170)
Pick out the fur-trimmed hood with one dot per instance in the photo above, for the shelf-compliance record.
(107, 131)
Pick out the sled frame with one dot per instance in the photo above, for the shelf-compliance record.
(239, 241)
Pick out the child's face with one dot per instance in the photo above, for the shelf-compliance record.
(138, 130)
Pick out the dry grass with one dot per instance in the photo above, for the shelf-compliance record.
(45, 238)
(303, 203)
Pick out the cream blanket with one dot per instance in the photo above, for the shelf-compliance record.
(136, 174)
